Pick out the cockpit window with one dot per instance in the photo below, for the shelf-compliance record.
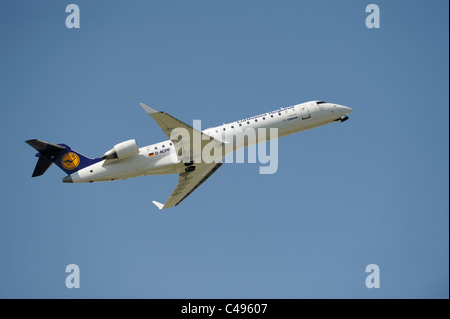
(320, 102)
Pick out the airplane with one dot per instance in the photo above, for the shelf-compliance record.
(126, 160)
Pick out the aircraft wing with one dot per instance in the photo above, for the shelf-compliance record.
(189, 182)
(168, 123)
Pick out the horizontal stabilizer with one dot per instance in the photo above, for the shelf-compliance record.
(42, 166)
(47, 152)
(45, 148)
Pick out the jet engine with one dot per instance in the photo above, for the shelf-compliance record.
(122, 150)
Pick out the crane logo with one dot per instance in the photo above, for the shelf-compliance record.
(70, 161)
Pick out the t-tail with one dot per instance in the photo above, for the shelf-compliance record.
(62, 155)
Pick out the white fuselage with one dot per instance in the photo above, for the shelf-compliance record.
(164, 160)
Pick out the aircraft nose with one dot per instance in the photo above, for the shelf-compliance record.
(67, 179)
(348, 109)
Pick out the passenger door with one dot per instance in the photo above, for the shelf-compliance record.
(304, 110)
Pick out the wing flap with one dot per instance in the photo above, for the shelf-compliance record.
(168, 123)
(188, 182)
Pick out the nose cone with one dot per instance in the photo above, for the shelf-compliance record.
(345, 109)
(67, 179)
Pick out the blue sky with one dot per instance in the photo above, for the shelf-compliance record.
(371, 190)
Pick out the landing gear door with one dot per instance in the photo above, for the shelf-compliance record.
(304, 110)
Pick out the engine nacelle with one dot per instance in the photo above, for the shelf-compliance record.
(122, 150)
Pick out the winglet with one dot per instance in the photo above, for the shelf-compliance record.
(159, 205)
(148, 109)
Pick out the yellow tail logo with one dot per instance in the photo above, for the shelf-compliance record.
(70, 161)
